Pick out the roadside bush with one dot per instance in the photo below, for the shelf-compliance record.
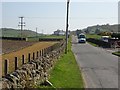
(116, 35)
(100, 43)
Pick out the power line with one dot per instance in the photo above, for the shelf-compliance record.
(72, 17)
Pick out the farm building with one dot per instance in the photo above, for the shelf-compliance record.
(59, 32)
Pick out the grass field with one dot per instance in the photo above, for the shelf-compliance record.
(9, 32)
(44, 36)
(66, 73)
(117, 53)
(14, 45)
(52, 36)
(93, 36)
(34, 48)
(93, 44)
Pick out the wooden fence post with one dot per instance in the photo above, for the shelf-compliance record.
(29, 57)
(16, 63)
(48, 49)
(53, 46)
(6, 67)
(45, 52)
(23, 59)
(33, 56)
(37, 55)
(40, 53)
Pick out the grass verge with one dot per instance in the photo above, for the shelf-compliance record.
(66, 73)
(93, 44)
(116, 53)
(93, 36)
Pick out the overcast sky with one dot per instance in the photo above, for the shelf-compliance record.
(50, 16)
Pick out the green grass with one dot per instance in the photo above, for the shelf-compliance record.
(117, 53)
(33, 39)
(9, 32)
(52, 36)
(45, 87)
(44, 36)
(66, 73)
(93, 44)
(93, 36)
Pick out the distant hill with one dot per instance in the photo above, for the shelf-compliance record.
(9, 32)
(101, 28)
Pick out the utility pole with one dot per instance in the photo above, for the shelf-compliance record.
(21, 24)
(67, 26)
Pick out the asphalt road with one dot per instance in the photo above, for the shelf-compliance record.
(98, 66)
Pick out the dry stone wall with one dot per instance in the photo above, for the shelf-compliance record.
(34, 72)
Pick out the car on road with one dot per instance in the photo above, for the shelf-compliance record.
(81, 38)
